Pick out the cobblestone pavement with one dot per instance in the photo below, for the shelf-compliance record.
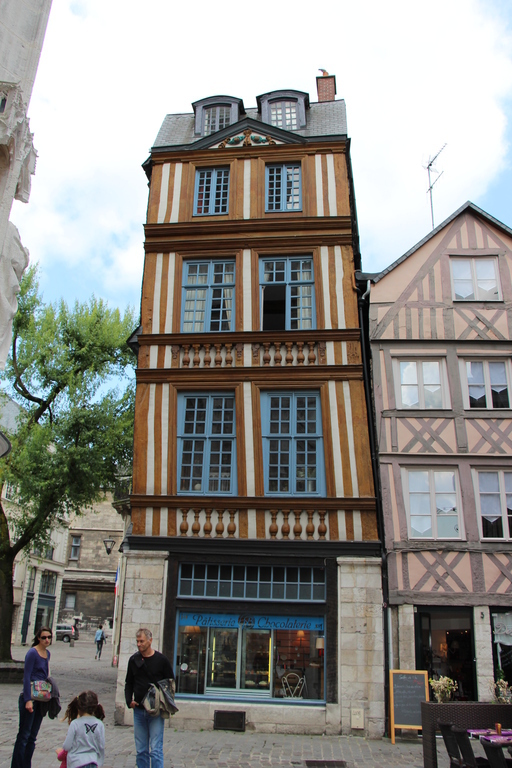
(75, 669)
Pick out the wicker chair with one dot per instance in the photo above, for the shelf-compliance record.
(494, 754)
(466, 750)
(451, 745)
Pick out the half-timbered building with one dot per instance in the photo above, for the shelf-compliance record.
(441, 335)
(254, 553)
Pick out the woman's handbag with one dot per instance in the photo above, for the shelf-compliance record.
(40, 690)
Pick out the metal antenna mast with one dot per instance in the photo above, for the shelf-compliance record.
(429, 167)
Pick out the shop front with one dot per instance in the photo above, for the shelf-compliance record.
(250, 632)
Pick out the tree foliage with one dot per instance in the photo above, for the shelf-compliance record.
(71, 370)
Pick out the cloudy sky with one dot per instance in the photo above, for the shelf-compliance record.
(415, 76)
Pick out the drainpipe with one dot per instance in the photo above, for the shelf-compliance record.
(363, 306)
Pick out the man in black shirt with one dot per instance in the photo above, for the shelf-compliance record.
(145, 667)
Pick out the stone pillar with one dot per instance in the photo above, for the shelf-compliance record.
(483, 651)
(406, 644)
(361, 644)
(143, 606)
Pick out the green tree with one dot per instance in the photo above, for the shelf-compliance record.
(72, 372)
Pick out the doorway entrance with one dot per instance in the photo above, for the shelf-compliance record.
(445, 646)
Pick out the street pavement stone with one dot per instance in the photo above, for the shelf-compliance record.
(75, 669)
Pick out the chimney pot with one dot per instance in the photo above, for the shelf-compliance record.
(326, 87)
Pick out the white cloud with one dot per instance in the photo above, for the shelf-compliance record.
(414, 76)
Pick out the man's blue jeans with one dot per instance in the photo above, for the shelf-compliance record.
(30, 722)
(149, 739)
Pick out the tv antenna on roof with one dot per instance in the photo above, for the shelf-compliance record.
(430, 168)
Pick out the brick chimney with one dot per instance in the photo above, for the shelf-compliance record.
(326, 87)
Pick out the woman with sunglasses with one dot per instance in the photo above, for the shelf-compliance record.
(37, 667)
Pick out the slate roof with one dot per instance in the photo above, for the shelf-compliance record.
(327, 118)
(468, 206)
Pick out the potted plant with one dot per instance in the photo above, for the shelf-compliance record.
(443, 688)
(500, 690)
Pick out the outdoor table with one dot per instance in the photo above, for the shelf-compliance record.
(475, 733)
(503, 740)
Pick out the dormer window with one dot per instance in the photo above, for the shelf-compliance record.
(283, 114)
(215, 113)
(284, 109)
(215, 118)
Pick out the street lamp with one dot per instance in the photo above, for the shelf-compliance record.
(109, 545)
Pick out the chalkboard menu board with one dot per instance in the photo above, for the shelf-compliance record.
(407, 689)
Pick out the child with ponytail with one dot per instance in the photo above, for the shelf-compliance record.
(84, 746)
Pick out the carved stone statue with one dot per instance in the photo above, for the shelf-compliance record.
(13, 262)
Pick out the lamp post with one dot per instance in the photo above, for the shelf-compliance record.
(109, 545)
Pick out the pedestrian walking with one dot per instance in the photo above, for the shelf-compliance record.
(99, 638)
(145, 668)
(31, 710)
(84, 746)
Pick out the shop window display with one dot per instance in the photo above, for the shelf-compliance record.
(250, 656)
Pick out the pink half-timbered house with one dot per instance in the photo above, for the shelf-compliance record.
(441, 336)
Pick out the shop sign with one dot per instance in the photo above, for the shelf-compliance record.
(503, 628)
(250, 621)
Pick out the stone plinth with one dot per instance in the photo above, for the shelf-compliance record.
(11, 672)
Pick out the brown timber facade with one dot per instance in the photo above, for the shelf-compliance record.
(254, 554)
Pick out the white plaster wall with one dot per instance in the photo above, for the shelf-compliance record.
(361, 644)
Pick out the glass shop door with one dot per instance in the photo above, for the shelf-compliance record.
(222, 659)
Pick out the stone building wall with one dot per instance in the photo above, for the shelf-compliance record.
(361, 641)
(143, 606)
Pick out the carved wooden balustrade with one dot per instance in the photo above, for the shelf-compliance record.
(260, 349)
(269, 353)
(216, 522)
(251, 518)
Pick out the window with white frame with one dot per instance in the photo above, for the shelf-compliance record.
(211, 194)
(206, 444)
(423, 384)
(288, 293)
(292, 443)
(433, 505)
(283, 187)
(487, 383)
(495, 502)
(70, 601)
(208, 296)
(283, 114)
(76, 542)
(215, 118)
(475, 279)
